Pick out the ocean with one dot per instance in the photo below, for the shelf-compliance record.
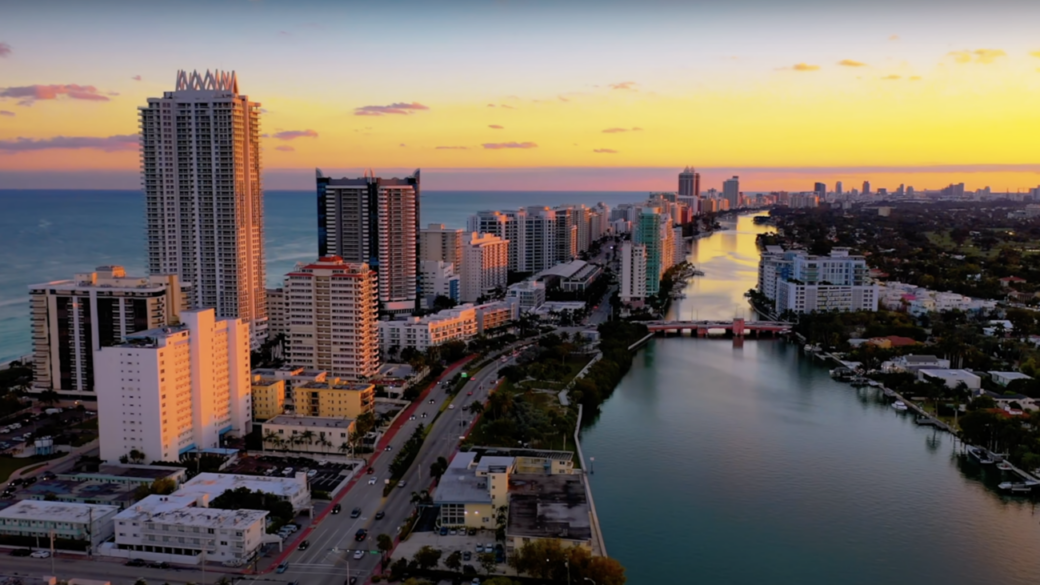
(52, 235)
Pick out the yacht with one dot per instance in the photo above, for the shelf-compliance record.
(899, 405)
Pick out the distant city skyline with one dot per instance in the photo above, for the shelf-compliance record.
(541, 95)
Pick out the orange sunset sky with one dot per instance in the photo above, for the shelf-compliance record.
(515, 94)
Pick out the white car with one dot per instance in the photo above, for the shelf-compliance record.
(372, 481)
(312, 473)
(358, 554)
(451, 407)
(40, 554)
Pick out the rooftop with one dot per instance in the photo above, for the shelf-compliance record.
(564, 270)
(215, 484)
(142, 472)
(1011, 375)
(93, 489)
(55, 511)
(549, 506)
(335, 384)
(950, 374)
(181, 510)
(310, 421)
(508, 452)
(920, 359)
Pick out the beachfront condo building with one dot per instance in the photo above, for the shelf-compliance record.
(485, 263)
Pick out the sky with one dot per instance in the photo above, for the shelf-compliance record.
(548, 95)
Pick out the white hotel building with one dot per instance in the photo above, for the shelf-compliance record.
(802, 283)
(165, 392)
(485, 265)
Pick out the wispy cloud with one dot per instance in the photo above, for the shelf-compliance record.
(6, 113)
(984, 56)
(893, 37)
(136, 78)
(891, 77)
(915, 78)
(623, 85)
(496, 127)
(451, 148)
(851, 63)
(505, 145)
(403, 145)
(28, 94)
(294, 134)
(5, 49)
(605, 151)
(397, 108)
(106, 143)
(285, 148)
(805, 67)
(619, 130)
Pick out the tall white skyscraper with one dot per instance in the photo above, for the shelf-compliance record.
(485, 263)
(168, 391)
(200, 160)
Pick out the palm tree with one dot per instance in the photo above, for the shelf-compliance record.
(344, 447)
(270, 437)
(324, 442)
(307, 437)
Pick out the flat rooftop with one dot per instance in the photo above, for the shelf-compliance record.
(508, 452)
(1011, 375)
(215, 484)
(950, 374)
(549, 506)
(334, 385)
(38, 510)
(310, 421)
(181, 510)
(91, 489)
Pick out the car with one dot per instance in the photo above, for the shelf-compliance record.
(443, 531)
(336, 509)
(323, 462)
(282, 567)
(21, 552)
(469, 394)
(480, 548)
(431, 401)
(372, 481)
(159, 565)
(451, 407)
(424, 415)
(411, 417)
(305, 545)
(292, 527)
(453, 532)
(358, 554)
(389, 448)
(489, 547)
(361, 534)
(475, 581)
(352, 580)
(41, 554)
(136, 563)
(401, 484)
(356, 511)
(287, 471)
(370, 470)
(380, 515)
(312, 473)
(466, 555)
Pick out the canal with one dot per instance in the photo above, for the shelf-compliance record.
(748, 465)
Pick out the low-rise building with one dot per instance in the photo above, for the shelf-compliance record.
(548, 507)
(90, 523)
(529, 293)
(268, 397)
(179, 528)
(913, 363)
(496, 314)
(291, 489)
(952, 378)
(129, 474)
(1005, 378)
(308, 434)
(293, 377)
(334, 398)
(422, 333)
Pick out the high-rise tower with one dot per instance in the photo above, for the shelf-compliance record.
(200, 160)
(687, 183)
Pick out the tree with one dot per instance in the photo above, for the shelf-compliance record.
(427, 557)
(442, 302)
(136, 456)
(272, 438)
(438, 467)
(487, 562)
(476, 407)
(48, 397)
(454, 561)
(384, 543)
(140, 582)
(398, 569)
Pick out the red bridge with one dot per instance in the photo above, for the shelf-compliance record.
(736, 327)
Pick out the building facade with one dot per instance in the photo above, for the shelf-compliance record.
(331, 313)
(803, 283)
(731, 192)
(422, 333)
(309, 434)
(166, 392)
(268, 397)
(374, 221)
(633, 273)
(438, 279)
(200, 161)
(334, 398)
(439, 243)
(90, 523)
(72, 319)
(485, 266)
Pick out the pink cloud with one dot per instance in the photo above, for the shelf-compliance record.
(504, 145)
(5, 49)
(285, 148)
(496, 127)
(136, 78)
(6, 113)
(623, 85)
(294, 134)
(491, 105)
(397, 108)
(605, 151)
(508, 107)
(106, 143)
(28, 94)
(452, 148)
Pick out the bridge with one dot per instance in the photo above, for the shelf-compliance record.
(736, 327)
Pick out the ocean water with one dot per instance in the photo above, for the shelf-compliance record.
(52, 235)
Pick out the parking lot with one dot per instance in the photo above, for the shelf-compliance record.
(14, 431)
(324, 475)
(463, 543)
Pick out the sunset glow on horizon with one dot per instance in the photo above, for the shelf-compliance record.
(539, 95)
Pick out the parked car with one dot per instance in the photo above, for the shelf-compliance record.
(372, 481)
(160, 565)
(443, 531)
(480, 548)
(287, 471)
(282, 567)
(41, 554)
(312, 473)
(136, 563)
(336, 509)
(402, 484)
(466, 555)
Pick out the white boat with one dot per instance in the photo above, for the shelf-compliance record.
(899, 405)
(1004, 466)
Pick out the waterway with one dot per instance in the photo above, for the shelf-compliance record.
(719, 464)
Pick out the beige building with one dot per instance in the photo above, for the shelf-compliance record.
(72, 319)
(276, 312)
(439, 243)
(485, 266)
(308, 434)
(268, 397)
(422, 333)
(331, 312)
(497, 314)
(165, 392)
(334, 398)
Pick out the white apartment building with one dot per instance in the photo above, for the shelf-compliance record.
(917, 301)
(678, 246)
(485, 265)
(503, 225)
(294, 490)
(165, 392)
(180, 528)
(331, 313)
(820, 283)
(530, 294)
(91, 523)
(72, 319)
(200, 164)
(375, 221)
(309, 434)
(437, 278)
(532, 233)
(423, 333)
(437, 242)
(633, 273)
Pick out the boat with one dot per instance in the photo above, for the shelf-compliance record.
(859, 381)
(899, 405)
(1004, 466)
(981, 455)
(874, 384)
(1018, 486)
